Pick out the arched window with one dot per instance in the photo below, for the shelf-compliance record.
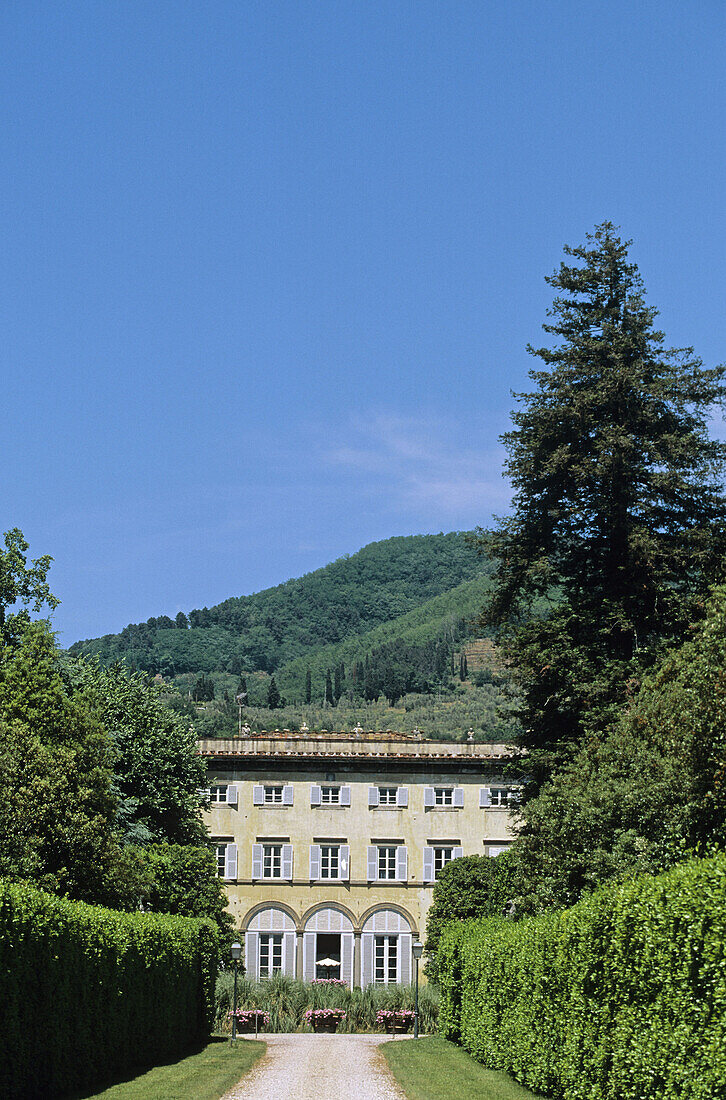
(270, 944)
(386, 949)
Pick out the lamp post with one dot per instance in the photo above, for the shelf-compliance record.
(417, 953)
(236, 953)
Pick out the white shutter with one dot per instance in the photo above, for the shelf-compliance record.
(373, 796)
(485, 797)
(314, 862)
(429, 797)
(287, 861)
(459, 798)
(429, 875)
(308, 956)
(232, 794)
(401, 864)
(256, 861)
(230, 861)
(344, 862)
(287, 794)
(346, 958)
(402, 797)
(345, 796)
(288, 954)
(457, 853)
(316, 795)
(366, 969)
(258, 795)
(372, 863)
(404, 958)
(252, 955)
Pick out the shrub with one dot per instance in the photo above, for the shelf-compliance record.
(621, 997)
(111, 990)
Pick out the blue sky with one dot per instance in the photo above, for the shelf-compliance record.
(269, 269)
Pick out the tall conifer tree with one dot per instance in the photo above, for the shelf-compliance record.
(618, 521)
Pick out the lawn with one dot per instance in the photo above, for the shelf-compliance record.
(204, 1075)
(434, 1069)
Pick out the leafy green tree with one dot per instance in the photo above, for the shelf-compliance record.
(653, 789)
(157, 771)
(57, 806)
(619, 518)
(273, 695)
(183, 879)
(472, 886)
(182, 622)
(21, 583)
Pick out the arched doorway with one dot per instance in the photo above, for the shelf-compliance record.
(328, 939)
(386, 949)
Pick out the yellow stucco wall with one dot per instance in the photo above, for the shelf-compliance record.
(477, 830)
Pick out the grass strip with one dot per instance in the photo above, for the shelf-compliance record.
(434, 1069)
(204, 1075)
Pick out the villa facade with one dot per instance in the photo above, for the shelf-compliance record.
(330, 844)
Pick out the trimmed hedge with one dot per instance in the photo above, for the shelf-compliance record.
(621, 997)
(86, 992)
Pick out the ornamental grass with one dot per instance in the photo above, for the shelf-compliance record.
(286, 1000)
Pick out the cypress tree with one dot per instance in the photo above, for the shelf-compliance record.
(328, 688)
(308, 687)
(273, 695)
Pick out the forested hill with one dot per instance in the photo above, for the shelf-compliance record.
(264, 631)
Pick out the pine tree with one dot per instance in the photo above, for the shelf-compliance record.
(618, 522)
(308, 687)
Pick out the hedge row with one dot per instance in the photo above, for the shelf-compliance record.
(622, 997)
(86, 992)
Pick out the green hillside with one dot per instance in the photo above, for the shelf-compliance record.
(273, 628)
(418, 645)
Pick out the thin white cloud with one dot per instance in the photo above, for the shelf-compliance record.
(425, 466)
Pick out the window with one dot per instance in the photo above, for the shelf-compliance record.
(273, 794)
(436, 856)
(330, 796)
(443, 798)
(226, 856)
(272, 860)
(441, 857)
(270, 955)
(387, 796)
(387, 862)
(218, 794)
(502, 796)
(386, 960)
(330, 861)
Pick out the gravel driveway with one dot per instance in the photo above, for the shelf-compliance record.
(319, 1067)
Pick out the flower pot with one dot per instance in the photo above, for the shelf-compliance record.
(326, 1025)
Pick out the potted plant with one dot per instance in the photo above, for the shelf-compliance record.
(325, 1019)
(395, 1019)
(251, 1019)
